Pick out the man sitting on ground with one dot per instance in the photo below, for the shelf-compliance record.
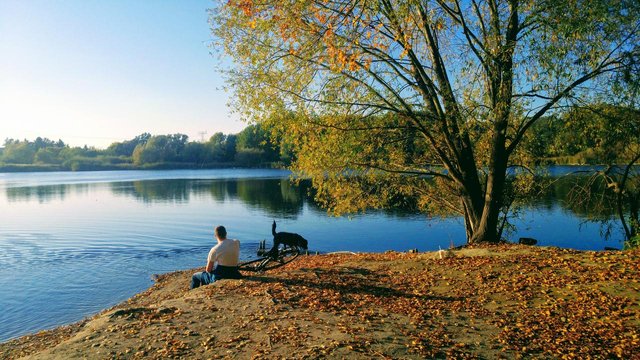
(222, 262)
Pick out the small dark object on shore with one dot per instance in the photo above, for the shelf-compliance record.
(527, 241)
(606, 248)
(413, 251)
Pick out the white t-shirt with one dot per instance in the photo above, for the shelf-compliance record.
(226, 253)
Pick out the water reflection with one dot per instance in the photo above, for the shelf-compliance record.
(286, 199)
(45, 193)
(155, 191)
(278, 197)
(577, 195)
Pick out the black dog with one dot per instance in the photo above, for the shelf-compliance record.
(290, 240)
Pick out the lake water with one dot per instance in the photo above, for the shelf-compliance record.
(72, 244)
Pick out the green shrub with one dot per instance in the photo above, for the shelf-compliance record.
(632, 243)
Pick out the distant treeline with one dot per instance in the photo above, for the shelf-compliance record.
(252, 147)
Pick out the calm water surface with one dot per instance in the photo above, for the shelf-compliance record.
(72, 244)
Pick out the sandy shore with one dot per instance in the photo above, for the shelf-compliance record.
(498, 302)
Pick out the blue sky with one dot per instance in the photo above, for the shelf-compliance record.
(98, 71)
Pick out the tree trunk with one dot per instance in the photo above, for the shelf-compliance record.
(634, 219)
(499, 87)
(486, 229)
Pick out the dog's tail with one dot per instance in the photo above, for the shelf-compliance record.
(273, 228)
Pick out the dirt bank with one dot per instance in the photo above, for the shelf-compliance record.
(496, 302)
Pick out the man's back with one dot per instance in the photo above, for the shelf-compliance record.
(226, 253)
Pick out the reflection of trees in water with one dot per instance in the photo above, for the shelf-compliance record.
(283, 198)
(150, 191)
(278, 197)
(44, 193)
(563, 192)
(222, 190)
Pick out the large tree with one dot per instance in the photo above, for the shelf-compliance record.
(425, 100)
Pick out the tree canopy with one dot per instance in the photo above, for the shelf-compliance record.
(421, 101)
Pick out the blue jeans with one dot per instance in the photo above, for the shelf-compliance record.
(220, 272)
(201, 278)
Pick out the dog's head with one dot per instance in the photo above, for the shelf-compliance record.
(303, 243)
